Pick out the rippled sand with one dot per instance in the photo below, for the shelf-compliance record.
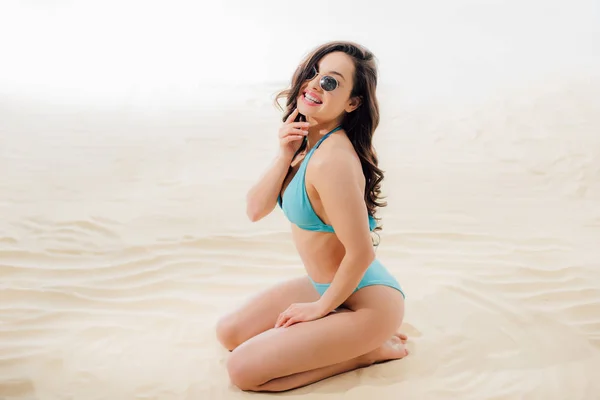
(123, 238)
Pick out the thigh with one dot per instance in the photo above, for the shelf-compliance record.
(259, 313)
(376, 314)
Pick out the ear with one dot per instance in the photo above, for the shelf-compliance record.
(353, 104)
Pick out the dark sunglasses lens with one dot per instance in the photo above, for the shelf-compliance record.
(312, 73)
(328, 83)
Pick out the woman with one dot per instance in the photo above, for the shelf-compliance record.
(345, 313)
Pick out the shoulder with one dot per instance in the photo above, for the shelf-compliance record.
(336, 159)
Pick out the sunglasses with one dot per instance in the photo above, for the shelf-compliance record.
(327, 83)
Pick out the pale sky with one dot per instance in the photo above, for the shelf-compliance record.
(103, 49)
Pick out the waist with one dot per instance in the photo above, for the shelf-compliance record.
(318, 278)
(320, 252)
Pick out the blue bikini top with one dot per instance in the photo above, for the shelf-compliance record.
(296, 205)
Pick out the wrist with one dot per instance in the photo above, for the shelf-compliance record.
(284, 158)
(323, 307)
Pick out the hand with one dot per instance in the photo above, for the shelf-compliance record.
(300, 312)
(291, 134)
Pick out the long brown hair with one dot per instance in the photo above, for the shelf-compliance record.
(360, 124)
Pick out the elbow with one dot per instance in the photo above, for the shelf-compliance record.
(253, 214)
(257, 210)
(253, 211)
(370, 256)
(254, 217)
(362, 256)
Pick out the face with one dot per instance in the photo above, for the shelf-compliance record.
(325, 96)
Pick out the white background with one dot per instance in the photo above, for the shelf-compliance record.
(105, 51)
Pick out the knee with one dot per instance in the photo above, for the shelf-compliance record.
(227, 332)
(242, 372)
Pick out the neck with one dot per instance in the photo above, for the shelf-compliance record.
(319, 129)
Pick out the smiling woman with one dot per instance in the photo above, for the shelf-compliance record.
(346, 312)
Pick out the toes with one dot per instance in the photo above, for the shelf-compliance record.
(402, 337)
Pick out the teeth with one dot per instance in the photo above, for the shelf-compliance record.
(309, 97)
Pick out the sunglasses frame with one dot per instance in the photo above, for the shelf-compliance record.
(314, 73)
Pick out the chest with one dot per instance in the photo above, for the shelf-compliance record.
(293, 171)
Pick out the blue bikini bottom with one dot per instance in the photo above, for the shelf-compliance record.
(376, 274)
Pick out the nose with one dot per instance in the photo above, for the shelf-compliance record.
(314, 85)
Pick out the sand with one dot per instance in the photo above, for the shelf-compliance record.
(123, 238)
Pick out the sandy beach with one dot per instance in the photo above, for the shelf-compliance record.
(123, 238)
(123, 234)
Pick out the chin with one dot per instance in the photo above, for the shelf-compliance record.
(306, 110)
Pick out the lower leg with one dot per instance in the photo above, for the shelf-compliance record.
(324, 345)
(259, 313)
(393, 349)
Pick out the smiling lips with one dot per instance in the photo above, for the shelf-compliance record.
(311, 98)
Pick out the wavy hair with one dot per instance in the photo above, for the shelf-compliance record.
(360, 124)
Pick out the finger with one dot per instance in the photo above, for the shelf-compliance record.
(292, 116)
(289, 130)
(299, 124)
(292, 138)
(290, 322)
(282, 318)
(303, 132)
(283, 321)
(279, 320)
(286, 132)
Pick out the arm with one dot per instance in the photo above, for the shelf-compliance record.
(339, 183)
(262, 197)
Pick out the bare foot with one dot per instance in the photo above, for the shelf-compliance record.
(402, 337)
(393, 349)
